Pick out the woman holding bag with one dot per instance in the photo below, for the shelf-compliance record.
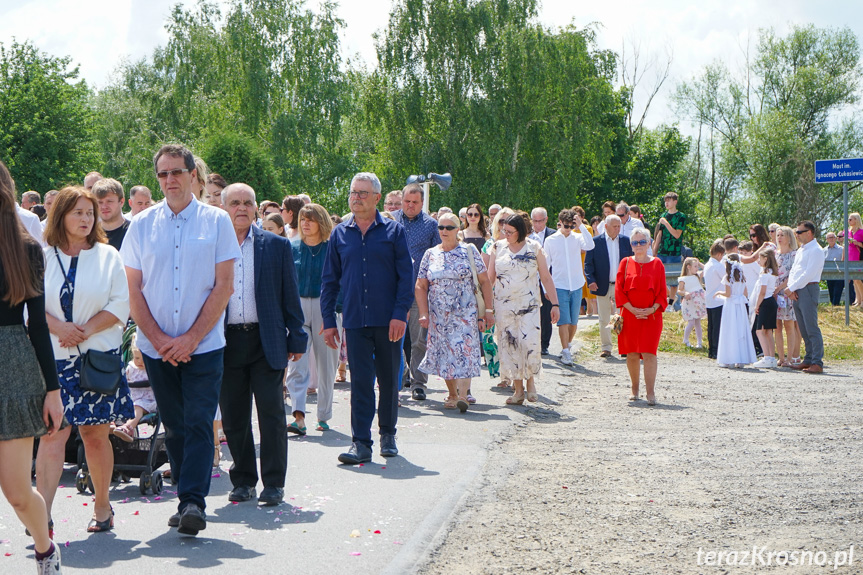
(87, 306)
(447, 304)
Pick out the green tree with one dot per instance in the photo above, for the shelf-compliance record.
(46, 124)
(764, 130)
(238, 158)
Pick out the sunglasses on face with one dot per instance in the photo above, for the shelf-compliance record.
(798, 232)
(176, 173)
(637, 243)
(566, 226)
(472, 215)
(753, 235)
(447, 228)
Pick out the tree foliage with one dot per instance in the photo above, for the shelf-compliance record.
(764, 130)
(46, 123)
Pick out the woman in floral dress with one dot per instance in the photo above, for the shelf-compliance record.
(515, 265)
(786, 320)
(447, 306)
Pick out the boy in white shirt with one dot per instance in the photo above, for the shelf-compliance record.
(714, 271)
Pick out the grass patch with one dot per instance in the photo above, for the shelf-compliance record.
(841, 342)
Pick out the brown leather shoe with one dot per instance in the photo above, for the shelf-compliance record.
(605, 353)
(801, 366)
(814, 368)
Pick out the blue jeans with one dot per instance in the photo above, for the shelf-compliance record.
(188, 395)
(670, 259)
(569, 304)
(371, 354)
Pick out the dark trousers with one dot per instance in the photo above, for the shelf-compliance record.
(755, 342)
(834, 290)
(545, 322)
(187, 395)
(248, 374)
(714, 318)
(372, 355)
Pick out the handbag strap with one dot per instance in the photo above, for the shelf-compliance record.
(472, 268)
(69, 285)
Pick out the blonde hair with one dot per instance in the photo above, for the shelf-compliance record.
(499, 218)
(856, 217)
(789, 233)
(772, 264)
(686, 263)
(202, 172)
(451, 217)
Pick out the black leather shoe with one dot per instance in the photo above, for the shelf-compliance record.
(174, 520)
(358, 453)
(271, 496)
(242, 493)
(418, 393)
(192, 520)
(544, 351)
(388, 446)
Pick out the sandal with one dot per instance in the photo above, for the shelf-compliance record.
(651, 400)
(217, 456)
(633, 398)
(470, 399)
(123, 434)
(504, 384)
(532, 396)
(515, 399)
(100, 526)
(450, 402)
(341, 376)
(462, 404)
(322, 426)
(294, 428)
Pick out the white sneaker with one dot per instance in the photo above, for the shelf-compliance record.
(727, 365)
(566, 357)
(50, 565)
(763, 362)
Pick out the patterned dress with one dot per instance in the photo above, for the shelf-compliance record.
(454, 344)
(87, 407)
(516, 306)
(785, 262)
(489, 347)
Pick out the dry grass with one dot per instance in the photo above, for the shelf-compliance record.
(841, 342)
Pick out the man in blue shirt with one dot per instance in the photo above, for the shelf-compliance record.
(179, 259)
(369, 262)
(422, 234)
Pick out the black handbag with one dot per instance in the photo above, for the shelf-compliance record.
(101, 371)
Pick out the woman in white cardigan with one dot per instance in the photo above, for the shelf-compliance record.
(87, 306)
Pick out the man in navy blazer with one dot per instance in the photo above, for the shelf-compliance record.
(263, 330)
(600, 269)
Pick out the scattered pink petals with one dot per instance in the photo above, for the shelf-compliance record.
(157, 499)
(377, 531)
(8, 554)
(362, 464)
(383, 467)
(356, 553)
(66, 544)
(136, 513)
(85, 504)
(397, 543)
(565, 487)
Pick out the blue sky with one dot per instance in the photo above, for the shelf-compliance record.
(98, 33)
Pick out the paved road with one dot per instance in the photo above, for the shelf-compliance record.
(381, 517)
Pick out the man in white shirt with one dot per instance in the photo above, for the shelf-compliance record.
(714, 271)
(804, 291)
(31, 223)
(627, 222)
(600, 269)
(539, 233)
(179, 260)
(563, 252)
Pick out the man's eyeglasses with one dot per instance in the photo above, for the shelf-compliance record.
(637, 243)
(176, 173)
(362, 194)
(447, 228)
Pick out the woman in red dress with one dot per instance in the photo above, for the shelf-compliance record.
(641, 293)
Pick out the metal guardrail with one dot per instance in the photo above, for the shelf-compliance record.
(832, 270)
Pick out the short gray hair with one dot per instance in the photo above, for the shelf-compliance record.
(640, 232)
(612, 218)
(450, 217)
(494, 207)
(31, 197)
(444, 210)
(623, 205)
(307, 199)
(368, 177)
(542, 211)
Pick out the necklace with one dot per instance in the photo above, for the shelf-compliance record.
(314, 253)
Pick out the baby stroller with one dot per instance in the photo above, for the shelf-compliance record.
(141, 458)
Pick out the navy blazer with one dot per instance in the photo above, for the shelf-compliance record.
(277, 299)
(596, 264)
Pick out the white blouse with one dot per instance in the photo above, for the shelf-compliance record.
(100, 284)
(691, 284)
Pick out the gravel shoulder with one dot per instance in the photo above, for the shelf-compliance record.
(730, 460)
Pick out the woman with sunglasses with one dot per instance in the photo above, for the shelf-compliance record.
(642, 295)
(760, 242)
(446, 302)
(475, 233)
(515, 265)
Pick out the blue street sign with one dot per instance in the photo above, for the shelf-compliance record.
(832, 171)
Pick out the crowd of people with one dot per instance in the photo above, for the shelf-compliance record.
(235, 302)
